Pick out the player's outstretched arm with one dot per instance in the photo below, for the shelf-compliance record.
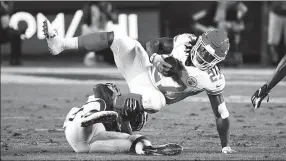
(262, 92)
(222, 121)
(279, 74)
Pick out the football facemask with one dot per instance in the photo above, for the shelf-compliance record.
(210, 49)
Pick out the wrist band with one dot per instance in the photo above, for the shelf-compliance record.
(152, 57)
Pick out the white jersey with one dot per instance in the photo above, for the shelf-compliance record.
(192, 80)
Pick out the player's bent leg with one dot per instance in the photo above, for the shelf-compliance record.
(56, 43)
(79, 137)
(110, 146)
(147, 99)
(118, 142)
(133, 63)
(223, 124)
(223, 131)
(83, 123)
(123, 49)
(94, 112)
(95, 41)
(91, 42)
(138, 144)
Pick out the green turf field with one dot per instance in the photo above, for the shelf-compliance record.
(33, 111)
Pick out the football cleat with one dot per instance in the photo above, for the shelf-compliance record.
(167, 149)
(94, 117)
(53, 39)
(259, 95)
(227, 150)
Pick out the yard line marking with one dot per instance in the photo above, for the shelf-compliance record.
(251, 83)
(20, 79)
(41, 129)
(9, 78)
(60, 70)
(28, 117)
(114, 70)
(236, 99)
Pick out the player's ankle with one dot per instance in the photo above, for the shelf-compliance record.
(69, 43)
(139, 148)
(137, 144)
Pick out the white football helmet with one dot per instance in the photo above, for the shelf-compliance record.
(210, 49)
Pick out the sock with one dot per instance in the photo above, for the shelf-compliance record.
(141, 145)
(70, 43)
(139, 148)
(95, 41)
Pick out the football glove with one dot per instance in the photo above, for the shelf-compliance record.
(131, 107)
(129, 104)
(259, 95)
(138, 121)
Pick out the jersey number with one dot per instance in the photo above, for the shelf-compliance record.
(214, 74)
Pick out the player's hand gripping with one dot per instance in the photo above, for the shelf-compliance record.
(160, 64)
(132, 107)
(259, 95)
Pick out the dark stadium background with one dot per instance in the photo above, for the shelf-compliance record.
(155, 19)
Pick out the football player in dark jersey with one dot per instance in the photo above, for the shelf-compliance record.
(95, 127)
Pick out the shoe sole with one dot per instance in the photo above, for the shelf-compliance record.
(168, 149)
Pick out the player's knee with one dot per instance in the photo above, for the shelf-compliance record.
(222, 110)
(154, 104)
(133, 137)
(82, 149)
(122, 43)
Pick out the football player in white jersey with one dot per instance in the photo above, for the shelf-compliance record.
(191, 69)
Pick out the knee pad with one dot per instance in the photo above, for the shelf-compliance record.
(222, 110)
